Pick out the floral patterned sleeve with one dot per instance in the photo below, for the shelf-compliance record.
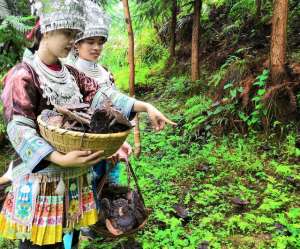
(28, 144)
(95, 95)
(20, 101)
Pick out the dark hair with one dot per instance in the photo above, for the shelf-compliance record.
(36, 40)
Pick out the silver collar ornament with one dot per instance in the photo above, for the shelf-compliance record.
(94, 71)
(58, 87)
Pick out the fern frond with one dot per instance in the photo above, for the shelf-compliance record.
(242, 7)
(231, 28)
(184, 20)
(18, 23)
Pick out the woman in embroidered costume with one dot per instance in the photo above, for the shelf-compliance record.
(88, 48)
(52, 192)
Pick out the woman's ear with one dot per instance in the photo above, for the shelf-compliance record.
(48, 34)
(51, 33)
(76, 48)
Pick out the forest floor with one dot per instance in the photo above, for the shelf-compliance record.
(211, 188)
(234, 191)
(231, 191)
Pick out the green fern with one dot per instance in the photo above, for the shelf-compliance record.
(242, 8)
(232, 62)
(12, 30)
(18, 23)
(232, 28)
(195, 106)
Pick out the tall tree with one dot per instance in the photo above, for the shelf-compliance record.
(131, 62)
(258, 8)
(278, 41)
(195, 40)
(173, 29)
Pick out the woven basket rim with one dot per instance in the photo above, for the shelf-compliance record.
(78, 133)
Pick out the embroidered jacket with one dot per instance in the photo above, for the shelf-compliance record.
(23, 102)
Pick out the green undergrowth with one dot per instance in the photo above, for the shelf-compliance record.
(150, 56)
(239, 191)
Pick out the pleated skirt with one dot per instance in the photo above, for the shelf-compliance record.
(40, 208)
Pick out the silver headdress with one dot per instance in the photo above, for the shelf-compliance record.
(97, 21)
(60, 14)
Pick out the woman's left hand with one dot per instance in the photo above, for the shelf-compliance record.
(157, 119)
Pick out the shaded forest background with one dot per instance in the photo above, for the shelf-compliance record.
(228, 73)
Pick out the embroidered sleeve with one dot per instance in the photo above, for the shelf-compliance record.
(95, 95)
(123, 102)
(20, 101)
(28, 144)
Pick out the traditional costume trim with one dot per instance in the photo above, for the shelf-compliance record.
(96, 72)
(28, 144)
(34, 211)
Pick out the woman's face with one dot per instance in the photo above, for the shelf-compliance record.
(60, 42)
(90, 48)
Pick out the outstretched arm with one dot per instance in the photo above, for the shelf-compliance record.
(157, 119)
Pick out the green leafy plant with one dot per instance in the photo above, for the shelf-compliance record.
(232, 64)
(12, 31)
(260, 110)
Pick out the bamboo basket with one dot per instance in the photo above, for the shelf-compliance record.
(103, 227)
(65, 140)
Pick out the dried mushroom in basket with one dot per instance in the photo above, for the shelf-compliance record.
(107, 118)
(124, 213)
(81, 117)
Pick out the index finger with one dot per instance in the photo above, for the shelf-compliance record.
(170, 122)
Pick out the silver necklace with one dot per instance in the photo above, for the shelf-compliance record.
(59, 87)
(94, 71)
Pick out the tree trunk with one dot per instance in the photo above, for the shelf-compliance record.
(195, 40)
(130, 47)
(278, 41)
(258, 9)
(173, 30)
(137, 143)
